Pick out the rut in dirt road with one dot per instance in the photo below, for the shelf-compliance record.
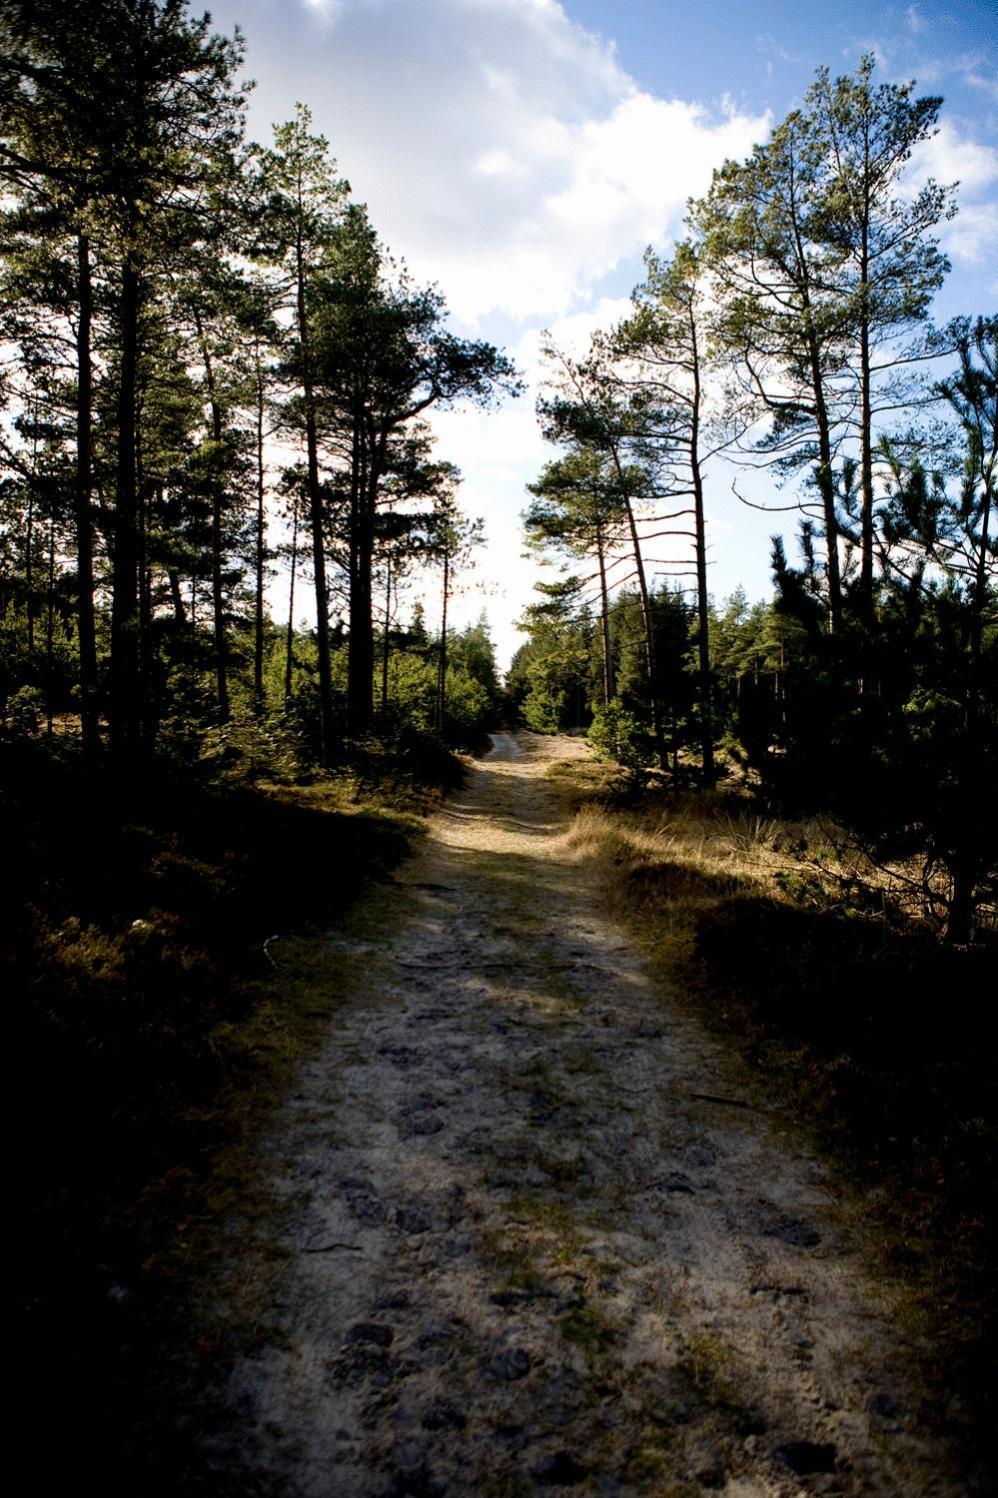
(544, 1246)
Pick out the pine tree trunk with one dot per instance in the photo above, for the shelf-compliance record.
(826, 476)
(604, 619)
(289, 656)
(29, 558)
(865, 428)
(84, 519)
(960, 924)
(705, 689)
(981, 583)
(705, 686)
(360, 665)
(217, 589)
(146, 655)
(826, 488)
(316, 521)
(260, 542)
(126, 696)
(649, 631)
(177, 598)
(386, 641)
(218, 606)
(442, 662)
(866, 478)
(50, 625)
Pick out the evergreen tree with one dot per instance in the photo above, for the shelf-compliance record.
(586, 407)
(297, 225)
(668, 338)
(576, 511)
(779, 322)
(889, 261)
(383, 359)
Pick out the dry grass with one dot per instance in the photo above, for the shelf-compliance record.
(723, 836)
(675, 861)
(697, 848)
(822, 968)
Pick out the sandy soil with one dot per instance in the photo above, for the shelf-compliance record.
(548, 1242)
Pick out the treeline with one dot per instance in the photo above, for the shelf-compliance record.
(790, 332)
(212, 369)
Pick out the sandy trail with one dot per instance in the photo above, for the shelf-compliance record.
(537, 1251)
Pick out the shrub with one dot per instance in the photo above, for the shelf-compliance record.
(616, 734)
(23, 712)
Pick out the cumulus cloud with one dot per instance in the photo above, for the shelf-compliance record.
(501, 147)
(953, 156)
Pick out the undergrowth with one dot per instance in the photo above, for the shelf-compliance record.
(850, 1011)
(163, 964)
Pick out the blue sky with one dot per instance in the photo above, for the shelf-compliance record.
(763, 53)
(522, 153)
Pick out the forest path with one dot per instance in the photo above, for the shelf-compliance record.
(543, 1244)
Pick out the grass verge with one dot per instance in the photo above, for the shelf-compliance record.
(165, 967)
(855, 1017)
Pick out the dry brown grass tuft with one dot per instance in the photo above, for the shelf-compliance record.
(673, 864)
(823, 969)
(679, 856)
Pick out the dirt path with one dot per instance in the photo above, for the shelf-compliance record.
(544, 1247)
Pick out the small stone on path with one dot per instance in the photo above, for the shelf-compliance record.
(443, 1415)
(511, 1364)
(677, 1183)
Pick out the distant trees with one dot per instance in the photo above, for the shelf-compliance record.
(634, 419)
(668, 341)
(791, 330)
(548, 682)
(383, 359)
(577, 512)
(181, 310)
(589, 408)
(453, 538)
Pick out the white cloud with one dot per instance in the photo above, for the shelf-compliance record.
(987, 84)
(497, 164)
(501, 147)
(952, 156)
(506, 154)
(972, 235)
